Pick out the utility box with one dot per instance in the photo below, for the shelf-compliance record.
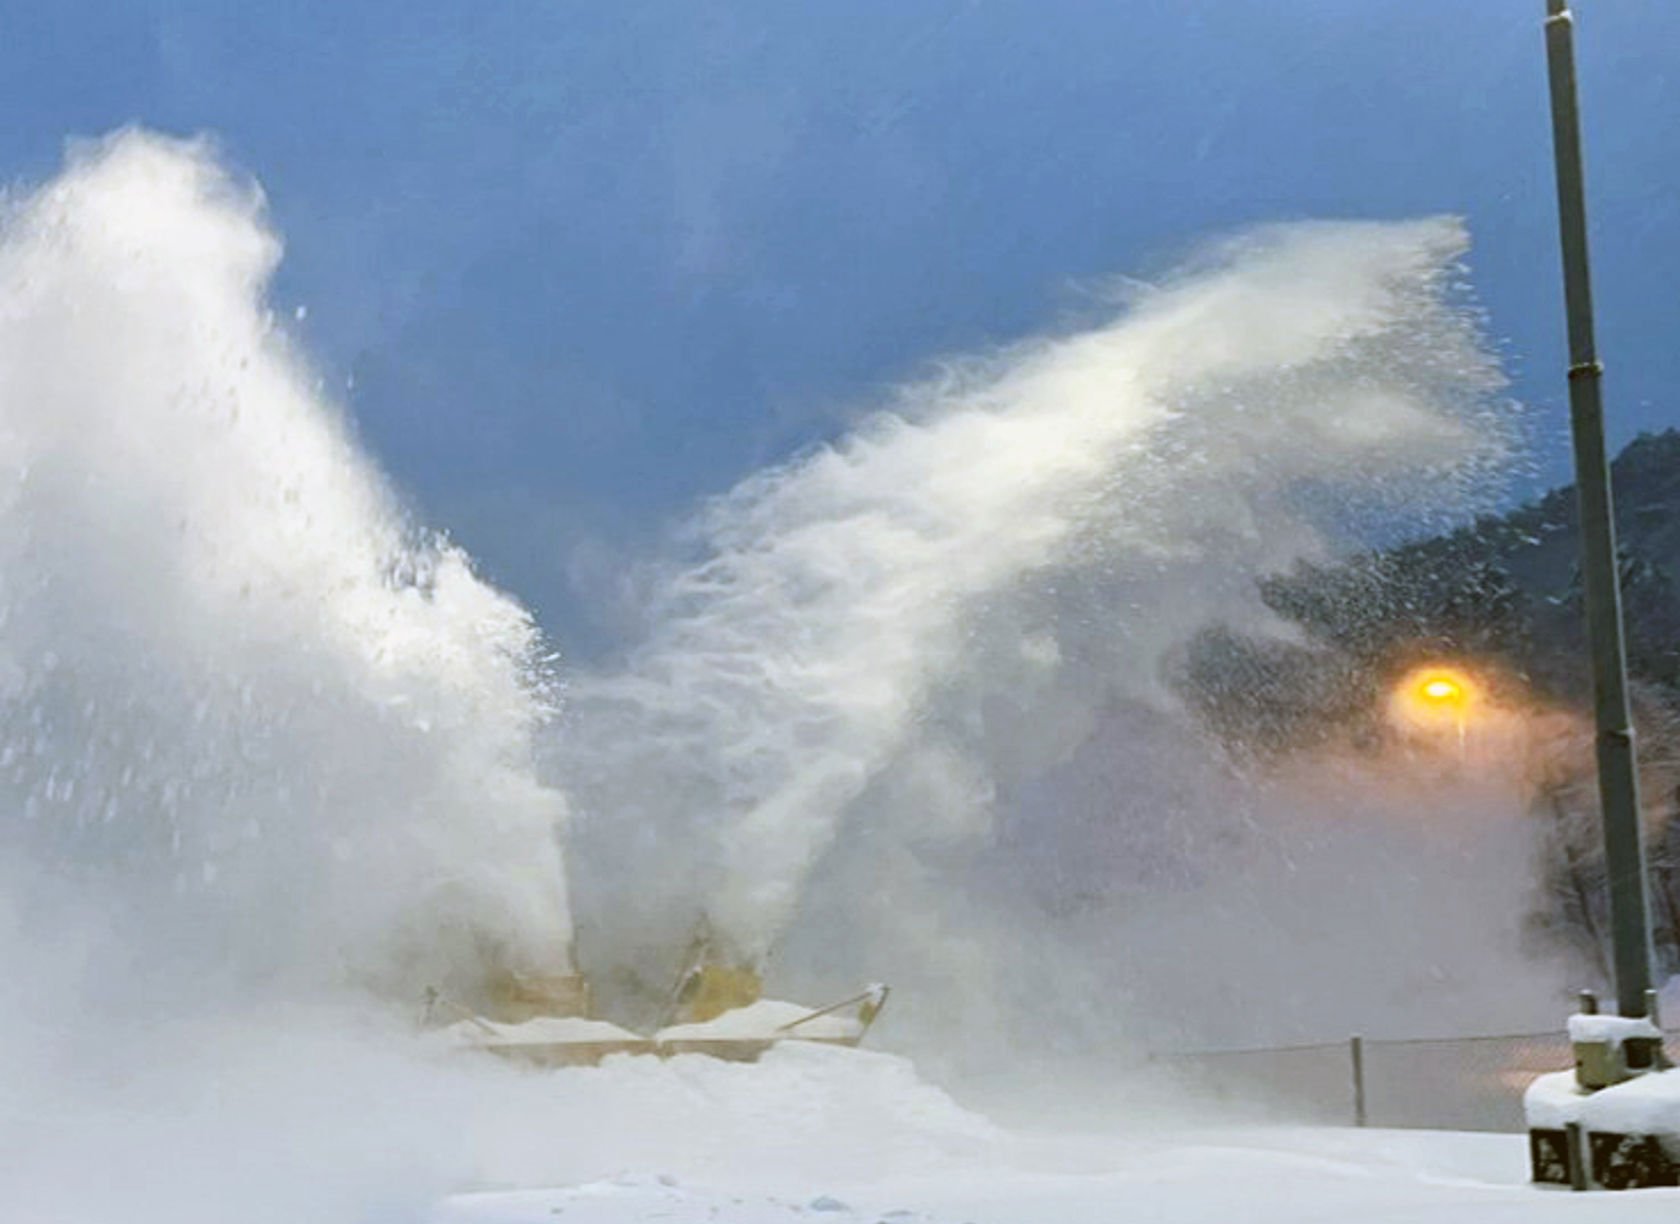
(1614, 1123)
(1611, 1050)
(1597, 1064)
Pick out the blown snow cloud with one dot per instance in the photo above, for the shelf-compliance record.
(839, 613)
(253, 721)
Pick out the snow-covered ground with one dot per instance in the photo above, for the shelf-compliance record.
(1254, 1177)
(833, 1137)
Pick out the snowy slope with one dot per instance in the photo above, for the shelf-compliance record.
(836, 1137)
(1253, 1177)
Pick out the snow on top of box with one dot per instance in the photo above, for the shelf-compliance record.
(1646, 1105)
(1612, 1030)
(1553, 1101)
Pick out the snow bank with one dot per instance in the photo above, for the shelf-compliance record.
(1256, 1177)
(804, 1118)
(1553, 1101)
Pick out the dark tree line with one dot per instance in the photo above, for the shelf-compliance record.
(1504, 595)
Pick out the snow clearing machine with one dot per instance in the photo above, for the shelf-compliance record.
(716, 1008)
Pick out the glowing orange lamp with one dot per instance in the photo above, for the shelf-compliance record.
(1435, 698)
(1442, 690)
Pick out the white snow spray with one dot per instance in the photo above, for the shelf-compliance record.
(272, 732)
(896, 640)
(266, 750)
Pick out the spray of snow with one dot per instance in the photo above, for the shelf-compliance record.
(268, 729)
(896, 638)
(261, 741)
(266, 772)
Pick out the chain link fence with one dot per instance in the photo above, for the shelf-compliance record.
(1459, 1083)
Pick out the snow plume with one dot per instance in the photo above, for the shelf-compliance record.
(256, 733)
(265, 750)
(265, 773)
(886, 641)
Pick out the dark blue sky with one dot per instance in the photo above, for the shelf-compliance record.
(585, 263)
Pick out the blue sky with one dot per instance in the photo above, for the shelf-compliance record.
(580, 264)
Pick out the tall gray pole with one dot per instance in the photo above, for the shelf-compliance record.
(1618, 778)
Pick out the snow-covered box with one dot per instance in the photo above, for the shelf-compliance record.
(1614, 1121)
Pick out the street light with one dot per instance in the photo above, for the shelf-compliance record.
(1436, 697)
(1618, 780)
(1442, 690)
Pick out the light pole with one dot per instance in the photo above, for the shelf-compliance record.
(1618, 780)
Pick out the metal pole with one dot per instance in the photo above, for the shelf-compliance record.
(1356, 1052)
(1618, 780)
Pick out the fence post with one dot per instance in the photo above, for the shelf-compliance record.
(1356, 1052)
